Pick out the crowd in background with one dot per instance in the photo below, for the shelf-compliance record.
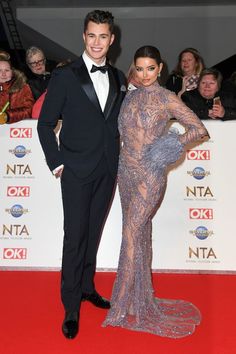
(201, 89)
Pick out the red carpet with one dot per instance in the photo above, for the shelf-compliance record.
(31, 316)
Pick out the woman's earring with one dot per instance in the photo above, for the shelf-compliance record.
(159, 74)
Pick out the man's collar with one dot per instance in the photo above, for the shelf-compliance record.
(89, 62)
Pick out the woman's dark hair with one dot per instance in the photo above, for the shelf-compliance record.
(148, 51)
(99, 16)
(214, 72)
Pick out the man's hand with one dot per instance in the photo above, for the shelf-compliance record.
(58, 173)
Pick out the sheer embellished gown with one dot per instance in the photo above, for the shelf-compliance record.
(148, 148)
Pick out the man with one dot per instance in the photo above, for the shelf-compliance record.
(38, 77)
(88, 101)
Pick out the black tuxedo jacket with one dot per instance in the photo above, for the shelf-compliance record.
(87, 133)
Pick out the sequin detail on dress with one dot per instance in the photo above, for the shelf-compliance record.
(148, 148)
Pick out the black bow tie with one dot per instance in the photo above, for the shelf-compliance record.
(103, 68)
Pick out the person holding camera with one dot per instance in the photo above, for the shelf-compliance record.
(209, 100)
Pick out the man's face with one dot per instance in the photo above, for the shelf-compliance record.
(97, 40)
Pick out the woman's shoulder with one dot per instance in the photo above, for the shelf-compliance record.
(132, 94)
(165, 92)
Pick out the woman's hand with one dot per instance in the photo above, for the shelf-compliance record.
(217, 111)
(3, 118)
(188, 83)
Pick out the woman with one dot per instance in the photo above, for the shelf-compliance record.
(186, 74)
(38, 77)
(132, 78)
(4, 54)
(147, 150)
(16, 99)
(39, 102)
(209, 101)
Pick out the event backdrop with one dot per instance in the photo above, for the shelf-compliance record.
(192, 231)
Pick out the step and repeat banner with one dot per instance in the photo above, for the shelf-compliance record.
(193, 231)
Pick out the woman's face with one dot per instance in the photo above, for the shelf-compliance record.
(147, 70)
(208, 86)
(188, 64)
(5, 72)
(37, 63)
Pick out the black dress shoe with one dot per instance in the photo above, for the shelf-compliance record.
(96, 300)
(70, 325)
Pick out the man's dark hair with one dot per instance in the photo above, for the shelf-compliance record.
(99, 16)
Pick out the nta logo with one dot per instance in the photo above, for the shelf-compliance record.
(199, 192)
(18, 169)
(15, 230)
(202, 252)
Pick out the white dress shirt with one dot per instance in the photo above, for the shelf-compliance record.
(100, 80)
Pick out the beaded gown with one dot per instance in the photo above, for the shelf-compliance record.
(148, 148)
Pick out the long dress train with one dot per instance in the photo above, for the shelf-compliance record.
(148, 148)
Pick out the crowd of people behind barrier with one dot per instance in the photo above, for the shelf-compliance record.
(201, 89)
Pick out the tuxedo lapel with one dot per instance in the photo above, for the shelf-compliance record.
(86, 83)
(113, 92)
